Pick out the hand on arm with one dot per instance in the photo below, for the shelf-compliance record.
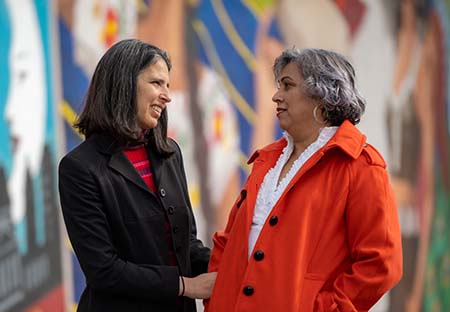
(199, 287)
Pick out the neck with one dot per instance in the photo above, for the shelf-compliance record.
(301, 142)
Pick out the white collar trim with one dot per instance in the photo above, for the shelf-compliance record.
(270, 192)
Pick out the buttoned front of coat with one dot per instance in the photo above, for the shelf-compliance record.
(331, 243)
(117, 228)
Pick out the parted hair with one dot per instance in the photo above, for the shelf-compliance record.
(110, 105)
(328, 78)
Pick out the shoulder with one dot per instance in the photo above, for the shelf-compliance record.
(174, 144)
(85, 155)
(372, 156)
(176, 147)
(353, 143)
(177, 156)
(83, 149)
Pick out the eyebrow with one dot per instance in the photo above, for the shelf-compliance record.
(285, 78)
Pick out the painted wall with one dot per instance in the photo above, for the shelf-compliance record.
(222, 111)
(30, 237)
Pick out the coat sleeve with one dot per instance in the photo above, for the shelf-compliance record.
(220, 239)
(90, 234)
(374, 238)
(199, 254)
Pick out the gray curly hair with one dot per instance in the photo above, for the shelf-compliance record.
(328, 78)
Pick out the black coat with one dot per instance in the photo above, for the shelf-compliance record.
(116, 227)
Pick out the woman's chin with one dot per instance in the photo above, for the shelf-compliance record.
(149, 125)
(282, 126)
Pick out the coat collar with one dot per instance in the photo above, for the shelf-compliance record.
(108, 145)
(105, 143)
(347, 138)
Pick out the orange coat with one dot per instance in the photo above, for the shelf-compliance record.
(331, 243)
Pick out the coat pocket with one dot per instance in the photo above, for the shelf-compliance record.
(312, 284)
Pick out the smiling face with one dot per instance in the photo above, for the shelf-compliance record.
(294, 107)
(152, 93)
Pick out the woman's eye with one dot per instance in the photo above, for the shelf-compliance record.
(157, 83)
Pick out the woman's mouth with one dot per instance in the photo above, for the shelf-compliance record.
(280, 110)
(157, 110)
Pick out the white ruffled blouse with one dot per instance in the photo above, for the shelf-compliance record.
(270, 191)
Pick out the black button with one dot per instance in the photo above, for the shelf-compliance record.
(273, 220)
(162, 192)
(175, 229)
(178, 248)
(248, 290)
(242, 198)
(258, 255)
(171, 210)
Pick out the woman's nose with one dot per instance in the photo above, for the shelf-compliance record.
(165, 97)
(276, 97)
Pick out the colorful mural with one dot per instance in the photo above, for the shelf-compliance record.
(221, 112)
(222, 53)
(30, 263)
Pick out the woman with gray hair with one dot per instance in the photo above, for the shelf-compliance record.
(315, 227)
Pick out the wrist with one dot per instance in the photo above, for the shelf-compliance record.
(182, 286)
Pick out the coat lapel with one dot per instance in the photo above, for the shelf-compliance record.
(306, 166)
(262, 161)
(348, 138)
(122, 165)
(156, 164)
(119, 162)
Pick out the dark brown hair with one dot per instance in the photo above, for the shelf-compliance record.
(110, 104)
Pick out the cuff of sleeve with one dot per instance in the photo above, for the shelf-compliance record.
(324, 302)
(175, 277)
(169, 286)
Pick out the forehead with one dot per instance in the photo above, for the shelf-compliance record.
(291, 71)
(159, 68)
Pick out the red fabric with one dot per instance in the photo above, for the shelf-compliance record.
(336, 245)
(51, 301)
(139, 158)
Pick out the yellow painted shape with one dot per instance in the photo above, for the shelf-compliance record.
(69, 115)
(232, 34)
(244, 108)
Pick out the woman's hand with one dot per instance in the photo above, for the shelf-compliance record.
(199, 287)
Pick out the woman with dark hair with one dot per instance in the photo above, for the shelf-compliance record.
(315, 227)
(124, 195)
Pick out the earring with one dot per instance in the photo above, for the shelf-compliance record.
(323, 122)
